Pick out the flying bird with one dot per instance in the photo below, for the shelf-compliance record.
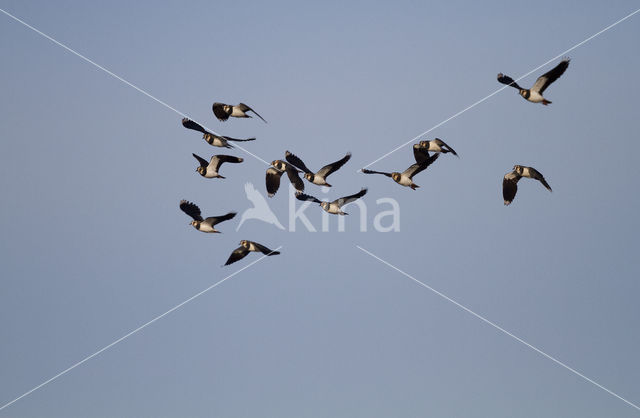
(510, 181)
(245, 248)
(275, 172)
(210, 169)
(437, 145)
(406, 177)
(211, 138)
(319, 178)
(203, 225)
(335, 206)
(534, 94)
(222, 141)
(223, 111)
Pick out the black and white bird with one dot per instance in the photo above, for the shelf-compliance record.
(275, 172)
(534, 94)
(334, 207)
(510, 181)
(210, 169)
(211, 138)
(423, 160)
(245, 248)
(223, 111)
(319, 178)
(437, 145)
(222, 141)
(206, 224)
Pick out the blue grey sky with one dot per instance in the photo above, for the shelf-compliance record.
(94, 245)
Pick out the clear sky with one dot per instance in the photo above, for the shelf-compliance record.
(94, 244)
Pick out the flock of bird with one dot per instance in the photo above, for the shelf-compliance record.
(425, 153)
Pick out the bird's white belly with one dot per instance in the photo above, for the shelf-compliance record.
(405, 181)
(237, 112)
(320, 181)
(434, 147)
(535, 97)
(333, 208)
(206, 228)
(211, 173)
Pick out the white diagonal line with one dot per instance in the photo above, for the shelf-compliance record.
(149, 95)
(504, 87)
(134, 331)
(499, 328)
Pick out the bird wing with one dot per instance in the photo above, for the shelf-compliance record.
(418, 167)
(246, 108)
(191, 209)
(264, 250)
(218, 110)
(330, 168)
(214, 220)
(420, 153)
(237, 254)
(217, 160)
(365, 171)
(510, 186)
(228, 138)
(295, 160)
(202, 161)
(348, 199)
(273, 180)
(505, 79)
(445, 146)
(538, 176)
(549, 77)
(292, 173)
(305, 197)
(189, 124)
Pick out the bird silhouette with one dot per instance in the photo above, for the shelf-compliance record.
(260, 209)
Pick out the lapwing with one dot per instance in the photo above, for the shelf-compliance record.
(319, 178)
(223, 111)
(275, 172)
(203, 225)
(437, 145)
(245, 248)
(406, 177)
(211, 138)
(222, 141)
(335, 206)
(510, 181)
(534, 94)
(210, 169)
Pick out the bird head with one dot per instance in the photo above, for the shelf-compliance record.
(308, 176)
(396, 176)
(200, 170)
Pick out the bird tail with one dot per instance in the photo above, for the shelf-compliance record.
(546, 102)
